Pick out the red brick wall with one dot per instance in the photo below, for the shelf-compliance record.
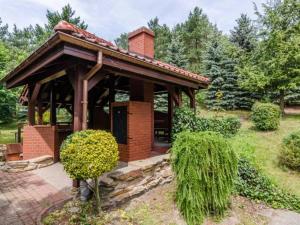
(38, 140)
(143, 44)
(139, 130)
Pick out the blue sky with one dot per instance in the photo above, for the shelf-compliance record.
(109, 18)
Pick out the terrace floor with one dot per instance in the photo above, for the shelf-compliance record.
(24, 195)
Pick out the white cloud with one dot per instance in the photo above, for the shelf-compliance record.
(110, 18)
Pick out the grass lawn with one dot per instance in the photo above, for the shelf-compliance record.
(158, 207)
(7, 132)
(267, 147)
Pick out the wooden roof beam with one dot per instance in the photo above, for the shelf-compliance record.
(122, 66)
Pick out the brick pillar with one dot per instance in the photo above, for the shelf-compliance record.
(149, 97)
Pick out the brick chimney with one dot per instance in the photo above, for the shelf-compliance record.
(141, 41)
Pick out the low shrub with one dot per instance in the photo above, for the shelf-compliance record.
(186, 120)
(265, 116)
(251, 183)
(88, 154)
(290, 151)
(205, 167)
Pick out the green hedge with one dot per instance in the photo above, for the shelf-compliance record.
(205, 168)
(290, 151)
(186, 120)
(265, 116)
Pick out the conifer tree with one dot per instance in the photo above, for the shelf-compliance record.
(176, 52)
(67, 14)
(223, 92)
(243, 36)
(196, 33)
(122, 41)
(162, 38)
(213, 69)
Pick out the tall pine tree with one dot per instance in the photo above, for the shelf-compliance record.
(244, 34)
(176, 51)
(223, 92)
(162, 38)
(244, 37)
(197, 32)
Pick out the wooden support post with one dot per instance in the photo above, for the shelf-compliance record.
(33, 94)
(85, 90)
(170, 109)
(53, 104)
(40, 113)
(192, 100)
(179, 97)
(31, 113)
(84, 104)
(111, 94)
(191, 94)
(77, 108)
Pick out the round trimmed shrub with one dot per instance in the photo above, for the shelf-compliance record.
(290, 151)
(265, 116)
(88, 154)
(205, 167)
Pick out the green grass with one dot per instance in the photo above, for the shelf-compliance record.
(7, 132)
(267, 147)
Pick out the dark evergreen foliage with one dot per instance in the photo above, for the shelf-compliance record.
(223, 92)
(67, 14)
(197, 32)
(176, 52)
(122, 41)
(244, 34)
(162, 38)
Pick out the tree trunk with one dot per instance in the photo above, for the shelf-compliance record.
(97, 195)
(281, 101)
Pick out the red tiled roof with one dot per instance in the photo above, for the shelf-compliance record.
(66, 27)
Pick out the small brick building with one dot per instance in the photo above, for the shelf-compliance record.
(84, 74)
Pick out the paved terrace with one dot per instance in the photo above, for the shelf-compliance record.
(24, 195)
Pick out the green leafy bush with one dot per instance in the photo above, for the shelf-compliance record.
(290, 151)
(205, 167)
(88, 154)
(251, 183)
(186, 120)
(266, 116)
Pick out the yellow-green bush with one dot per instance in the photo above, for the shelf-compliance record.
(88, 154)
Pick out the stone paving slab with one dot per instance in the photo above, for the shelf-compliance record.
(24, 195)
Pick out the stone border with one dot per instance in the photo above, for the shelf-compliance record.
(26, 165)
(128, 181)
(46, 211)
